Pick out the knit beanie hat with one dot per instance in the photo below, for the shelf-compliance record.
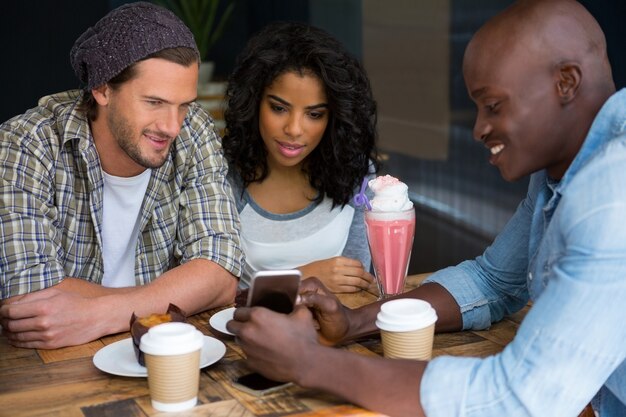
(126, 35)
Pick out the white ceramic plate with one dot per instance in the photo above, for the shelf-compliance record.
(119, 358)
(218, 320)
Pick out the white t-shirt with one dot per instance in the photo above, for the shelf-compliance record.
(120, 226)
(272, 242)
(287, 241)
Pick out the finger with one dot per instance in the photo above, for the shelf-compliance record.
(321, 303)
(359, 273)
(349, 262)
(234, 326)
(361, 281)
(369, 278)
(21, 310)
(37, 344)
(312, 284)
(352, 284)
(23, 325)
(242, 314)
(347, 289)
(302, 313)
(33, 304)
(23, 338)
(34, 340)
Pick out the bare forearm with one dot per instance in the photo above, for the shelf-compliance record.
(449, 317)
(388, 386)
(362, 320)
(195, 286)
(89, 289)
(75, 312)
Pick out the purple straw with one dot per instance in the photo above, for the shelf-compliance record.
(361, 199)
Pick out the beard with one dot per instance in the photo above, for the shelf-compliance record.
(122, 131)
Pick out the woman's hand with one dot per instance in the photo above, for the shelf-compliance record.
(340, 274)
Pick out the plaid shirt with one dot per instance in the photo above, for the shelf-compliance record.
(51, 191)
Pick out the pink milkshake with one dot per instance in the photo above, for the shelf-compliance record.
(390, 230)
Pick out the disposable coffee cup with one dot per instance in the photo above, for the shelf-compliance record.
(172, 354)
(407, 328)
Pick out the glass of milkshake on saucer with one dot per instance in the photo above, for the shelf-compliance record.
(390, 229)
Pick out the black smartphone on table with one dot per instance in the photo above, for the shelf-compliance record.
(276, 290)
(256, 384)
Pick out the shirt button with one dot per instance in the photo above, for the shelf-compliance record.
(530, 276)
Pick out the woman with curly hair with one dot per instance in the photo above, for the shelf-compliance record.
(300, 139)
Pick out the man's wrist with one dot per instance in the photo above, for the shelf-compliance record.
(361, 321)
(110, 310)
(312, 366)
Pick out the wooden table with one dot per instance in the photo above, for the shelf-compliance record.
(64, 382)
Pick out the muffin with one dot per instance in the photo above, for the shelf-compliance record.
(140, 325)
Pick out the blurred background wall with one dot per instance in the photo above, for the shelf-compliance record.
(412, 51)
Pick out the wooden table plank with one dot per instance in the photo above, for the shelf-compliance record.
(71, 352)
(501, 333)
(448, 340)
(343, 410)
(357, 299)
(9, 353)
(16, 358)
(60, 397)
(480, 349)
(16, 379)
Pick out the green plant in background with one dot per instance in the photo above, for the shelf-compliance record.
(202, 18)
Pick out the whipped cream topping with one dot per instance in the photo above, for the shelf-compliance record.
(390, 194)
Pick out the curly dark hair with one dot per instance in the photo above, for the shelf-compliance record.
(348, 147)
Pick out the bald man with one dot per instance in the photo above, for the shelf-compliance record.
(539, 75)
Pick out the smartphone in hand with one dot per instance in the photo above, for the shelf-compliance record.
(276, 290)
(256, 384)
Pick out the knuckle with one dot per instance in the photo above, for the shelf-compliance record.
(8, 326)
(8, 312)
(260, 315)
(47, 336)
(312, 282)
(43, 324)
(45, 309)
(245, 334)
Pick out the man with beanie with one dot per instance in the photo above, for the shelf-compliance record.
(113, 198)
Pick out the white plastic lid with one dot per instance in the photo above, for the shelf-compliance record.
(171, 339)
(405, 314)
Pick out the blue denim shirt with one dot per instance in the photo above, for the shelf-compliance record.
(564, 249)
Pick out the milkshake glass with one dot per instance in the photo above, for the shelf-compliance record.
(390, 236)
(390, 228)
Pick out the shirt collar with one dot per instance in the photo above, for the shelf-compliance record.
(609, 123)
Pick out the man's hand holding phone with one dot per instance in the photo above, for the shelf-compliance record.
(277, 291)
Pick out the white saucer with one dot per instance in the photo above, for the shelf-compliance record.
(119, 358)
(218, 320)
